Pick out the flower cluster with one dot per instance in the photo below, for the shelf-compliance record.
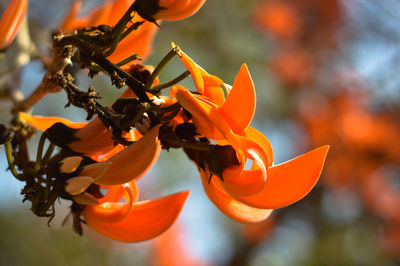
(117, 147)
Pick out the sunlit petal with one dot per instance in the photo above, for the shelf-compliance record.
(44, 122)
(241, 101)
(229, 206)
(110, 212)
(134, 161)
(256, 136)
(147, 219)
(290, 181)
(192, 68)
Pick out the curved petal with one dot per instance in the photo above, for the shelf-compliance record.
(71, 21)
(114, 194)
(213, 90)
(258, 137)
(11, 21)
(192, 68)
(200, 116)
(101, 14)
(290, 181)
(146, 219)
(111, 212)
(248, 182)
(44, 122)
(118, 10)
(229, 206)
(134, 161)
(240, 104)
(183, 12)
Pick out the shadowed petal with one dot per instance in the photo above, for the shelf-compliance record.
(85, 199)
(77, 185)
(147, 219)
(44, 122)
(229, 206)
(241, 101)
(134, 161)
(70, 164)
(95, 169)
(290, 181)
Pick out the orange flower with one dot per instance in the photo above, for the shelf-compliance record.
(244, 195)
(138, 41)
(123, 168)
(167, 9)
(11, 21)
(128, 221)
(92, 138)
(134, 221)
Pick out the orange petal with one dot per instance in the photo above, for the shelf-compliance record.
(198, 110)
(290, 181)
(241, 101)
(146, 219)
(181, 11)
(71, 21)
(212, 89)
(114, 194)
(192, 68)
(110, 212)
(229, 206)
(101, 15)
(118, 10)
(256, 136)
(139, 42)
(248, 182)
(44, 122)
(134, 161)
(11, 21)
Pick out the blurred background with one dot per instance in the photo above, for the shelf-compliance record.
(325, 73)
